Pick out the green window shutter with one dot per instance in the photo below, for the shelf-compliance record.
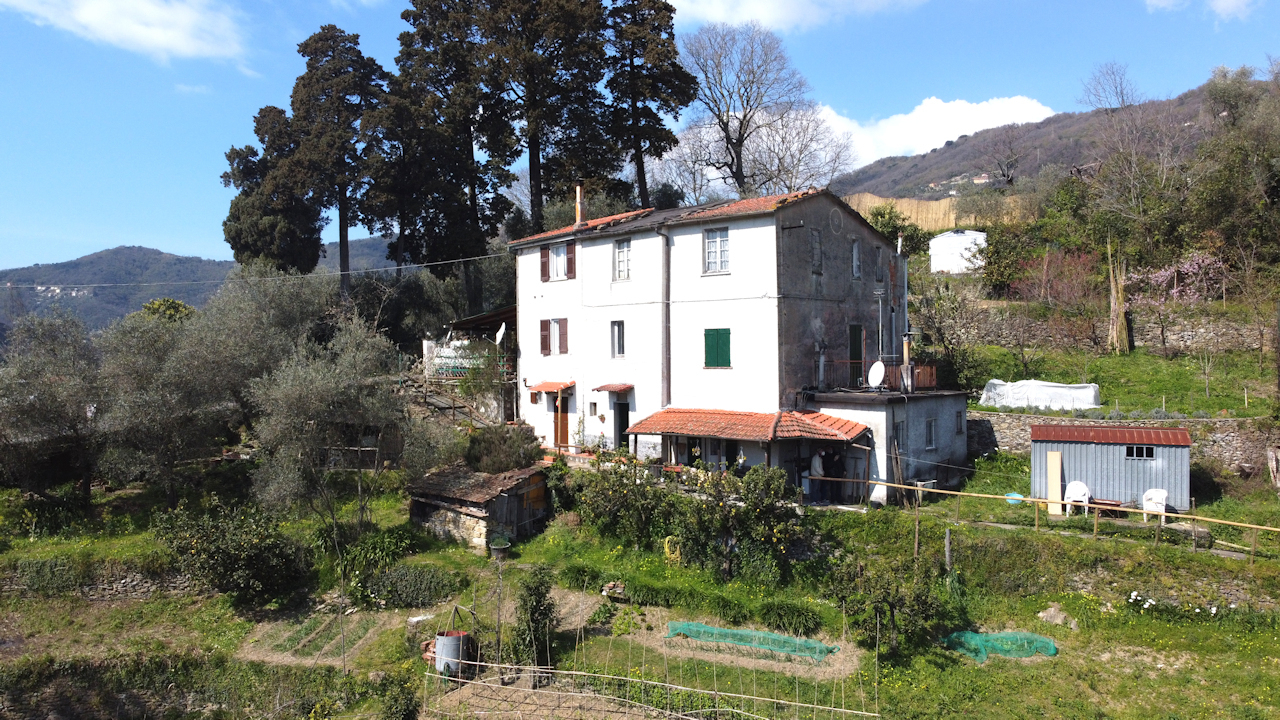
(716, 347)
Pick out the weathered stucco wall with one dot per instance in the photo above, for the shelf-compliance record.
(1239, 443)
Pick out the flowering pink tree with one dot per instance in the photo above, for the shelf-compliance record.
(1161, 291)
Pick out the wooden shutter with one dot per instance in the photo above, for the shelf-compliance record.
(564, 335)
(570, 261)
(546, 264)
(723, 343)
(716, 347)
(545, 329)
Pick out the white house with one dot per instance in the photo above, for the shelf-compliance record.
(722, 332)
(956, 251)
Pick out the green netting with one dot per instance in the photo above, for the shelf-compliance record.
(1009, 644)
(752, 638)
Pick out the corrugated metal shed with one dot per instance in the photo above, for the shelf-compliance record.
(1099, 456)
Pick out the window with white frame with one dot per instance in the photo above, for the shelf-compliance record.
(622, 260)
(931, 433)
(716, 255)
(857, 259)
(617, 338)
(559, 336)
(559, 262)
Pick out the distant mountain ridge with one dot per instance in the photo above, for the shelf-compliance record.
(139, 275)
(1066, 139)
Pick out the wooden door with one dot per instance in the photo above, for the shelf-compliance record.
(562, 421)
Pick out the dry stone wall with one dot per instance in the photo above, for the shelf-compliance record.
(129, 586)
(1239, 443)
(1182, 335)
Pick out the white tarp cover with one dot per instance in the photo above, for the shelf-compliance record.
(1041, 394)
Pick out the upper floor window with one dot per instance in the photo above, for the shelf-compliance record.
(815, 250)
(857, 259)
(622, 260)
(559, 262)
(1140, 452)
(930, 433)
(716, 255)
(554, 336)
(879, 264)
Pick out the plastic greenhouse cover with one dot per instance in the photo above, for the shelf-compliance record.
(1041, 394)
(753, 638)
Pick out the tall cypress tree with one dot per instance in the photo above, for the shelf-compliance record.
(548, 61)
(273, 217)
(329, 99)
(645, 81)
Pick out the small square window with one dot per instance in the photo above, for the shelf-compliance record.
(716, 251)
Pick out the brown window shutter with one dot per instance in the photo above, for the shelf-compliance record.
(533, 398)
(564, 335)
(570, 262)
(545, 328)
(546, 263)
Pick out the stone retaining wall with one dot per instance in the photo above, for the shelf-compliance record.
(1239, 443)
(130, 586)
(1183, 335)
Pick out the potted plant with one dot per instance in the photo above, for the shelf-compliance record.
(499, 545)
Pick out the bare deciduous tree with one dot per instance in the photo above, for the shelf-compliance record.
(799, 151)
(685, 166)
(746, 84)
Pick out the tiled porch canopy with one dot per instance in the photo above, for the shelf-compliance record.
(762, 427)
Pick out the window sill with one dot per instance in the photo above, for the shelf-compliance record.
(717, 367)
(621, 280)
(716, 273)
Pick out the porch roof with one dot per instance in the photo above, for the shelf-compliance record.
(614, 387)
(551, 386)
(737, 425)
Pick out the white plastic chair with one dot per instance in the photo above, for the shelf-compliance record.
(1076, 492)
(1154, 500)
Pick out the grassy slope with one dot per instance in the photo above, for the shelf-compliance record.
(1140, 380)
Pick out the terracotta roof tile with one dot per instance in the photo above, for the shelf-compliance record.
(614, 387)
(749, 206)
(551, 386)
(1111, 434)
(590, 225)
(737, 425)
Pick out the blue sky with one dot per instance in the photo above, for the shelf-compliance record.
(117, 112)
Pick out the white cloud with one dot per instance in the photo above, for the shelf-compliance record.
(161, 29)
(932, 123)
(1224, 9)
(783, 15)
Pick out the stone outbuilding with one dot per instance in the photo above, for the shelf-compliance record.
(457, 503)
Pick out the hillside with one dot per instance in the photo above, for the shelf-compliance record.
(141, 274)
(1065, 139)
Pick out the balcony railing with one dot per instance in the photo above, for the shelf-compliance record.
(852, 374)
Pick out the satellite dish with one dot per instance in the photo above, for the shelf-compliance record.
(497, 340)
(875, 376)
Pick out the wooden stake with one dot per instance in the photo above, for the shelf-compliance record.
(917, 551)
(1096, 512)
(948, 549)
(1193, 525)
(1254, 551)
(957, 507)
(1037, 512)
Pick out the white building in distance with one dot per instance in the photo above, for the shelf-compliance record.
(956, 251)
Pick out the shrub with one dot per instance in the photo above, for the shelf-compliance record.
(1136, 415)
(241, 552)
(402, 586)
(577, 576)
(1158, 414)
(790, 617)
(536, 616)
(500, 448)
(1115, 415)
(728, 609)
(378, 550)
(643, 592)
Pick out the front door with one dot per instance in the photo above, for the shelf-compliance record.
(621, 421)
(562, 421)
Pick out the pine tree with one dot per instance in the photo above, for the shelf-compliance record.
(548, 61)
(271, 218)
(329, 100)
(646, 81)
